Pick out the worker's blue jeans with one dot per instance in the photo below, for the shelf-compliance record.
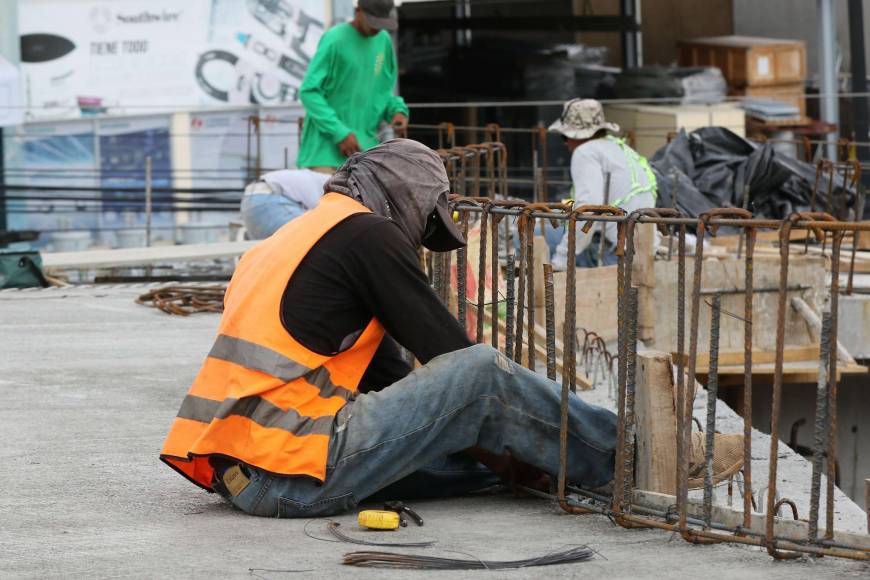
(263, 214)
(406, 436)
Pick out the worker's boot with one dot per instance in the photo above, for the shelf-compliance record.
(727, 457)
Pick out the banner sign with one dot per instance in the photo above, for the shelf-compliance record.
(85, 57)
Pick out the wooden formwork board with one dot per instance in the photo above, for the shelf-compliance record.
(727, 273)
(596, 300)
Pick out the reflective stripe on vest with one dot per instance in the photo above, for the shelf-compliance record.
(636, 163)
(261, 397)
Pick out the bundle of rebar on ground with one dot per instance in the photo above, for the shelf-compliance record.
(185, 300)
(418, 562)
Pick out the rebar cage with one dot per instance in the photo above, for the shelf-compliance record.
(480, 168)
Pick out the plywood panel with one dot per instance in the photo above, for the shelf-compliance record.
(727, 272)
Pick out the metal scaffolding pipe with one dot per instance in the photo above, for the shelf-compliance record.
(829, 105)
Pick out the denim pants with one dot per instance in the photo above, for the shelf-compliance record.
(404, 439)
(264, 213)
(588, 258)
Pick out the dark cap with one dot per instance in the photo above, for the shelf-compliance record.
(442, 235)
(380, 13)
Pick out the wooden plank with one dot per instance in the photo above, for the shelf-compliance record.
(792, 373)
(644, 277)
(731, 358)
(143, 256)
(796, 530)
(762, 238)
(656, 423)
(862, 259)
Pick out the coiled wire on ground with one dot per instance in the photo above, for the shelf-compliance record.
(185, 300)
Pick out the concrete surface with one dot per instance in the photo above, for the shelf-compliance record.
(91, 382)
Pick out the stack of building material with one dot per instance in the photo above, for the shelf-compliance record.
(761, 68)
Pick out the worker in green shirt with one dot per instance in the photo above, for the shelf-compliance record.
(348, 89)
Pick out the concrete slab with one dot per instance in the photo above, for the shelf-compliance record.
(91, 382)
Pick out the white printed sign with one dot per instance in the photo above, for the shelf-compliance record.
(144, 56)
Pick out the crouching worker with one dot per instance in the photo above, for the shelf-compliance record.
(595, 154)
(278, 197)
(304, 406)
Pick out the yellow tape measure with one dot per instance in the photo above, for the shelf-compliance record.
(379, 519)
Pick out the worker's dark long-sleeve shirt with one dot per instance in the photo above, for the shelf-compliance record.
(365, 267)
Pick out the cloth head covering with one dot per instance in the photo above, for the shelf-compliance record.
(404, 181)
(581, 119)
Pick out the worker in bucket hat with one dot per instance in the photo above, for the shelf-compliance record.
(604, 171)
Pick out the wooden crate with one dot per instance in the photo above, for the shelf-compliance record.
(789, 93)
(651, 124)
(748, 60)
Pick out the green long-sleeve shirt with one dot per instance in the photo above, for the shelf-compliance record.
(348, 89)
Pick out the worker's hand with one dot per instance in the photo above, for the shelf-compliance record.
(349, 145)
(399, 122)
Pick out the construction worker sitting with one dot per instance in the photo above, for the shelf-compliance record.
(305, 406)
(597, 157)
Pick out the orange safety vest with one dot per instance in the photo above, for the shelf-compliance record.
(261, 397)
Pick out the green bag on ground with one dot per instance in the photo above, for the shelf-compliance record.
(21, 269)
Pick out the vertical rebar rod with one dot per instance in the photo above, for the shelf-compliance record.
(836, 243)
(674, 190)
(521, 288)
(569, 343)
(601, 241)
(681, 353)
(438, 275)
(682, 481)
(481, 273)
(630, 389)
(462, 277)
(496, 316)
(746, 207)
(448, 259)
(550, 316)
(510, 306)
(749, 283)
(820, 426)
(619, 466)
(776, 397)
(148, 192)
(530, 290)
(712, 395)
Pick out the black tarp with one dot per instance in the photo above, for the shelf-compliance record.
(712, 166)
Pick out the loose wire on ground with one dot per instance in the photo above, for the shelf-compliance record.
(418, 562)
(332, 528)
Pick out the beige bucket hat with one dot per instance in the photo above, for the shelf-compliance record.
(581, 119)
